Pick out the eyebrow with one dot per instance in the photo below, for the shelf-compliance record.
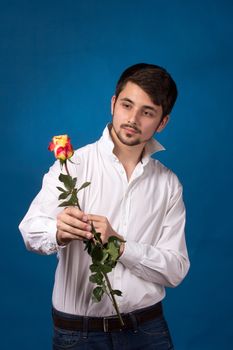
(145, 106)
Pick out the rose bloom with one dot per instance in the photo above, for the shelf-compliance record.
(61, 147)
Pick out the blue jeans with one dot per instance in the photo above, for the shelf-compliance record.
(151, 335)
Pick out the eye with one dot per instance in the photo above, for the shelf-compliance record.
(148, 113)
(126, 105)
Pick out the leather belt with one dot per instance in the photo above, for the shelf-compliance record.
(106, 324)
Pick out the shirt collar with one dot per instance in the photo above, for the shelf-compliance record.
(151, 147)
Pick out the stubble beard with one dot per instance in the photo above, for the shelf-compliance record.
(129, 139)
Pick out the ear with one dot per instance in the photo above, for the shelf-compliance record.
(113, 100)
(163, 123)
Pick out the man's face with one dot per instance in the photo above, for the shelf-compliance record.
(135, 117)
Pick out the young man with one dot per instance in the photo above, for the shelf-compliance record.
(131, 196)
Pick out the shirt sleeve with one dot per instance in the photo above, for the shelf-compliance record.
(38, 227)
(167, 262)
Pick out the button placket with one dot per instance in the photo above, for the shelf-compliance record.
(137, 173)
(120, 169)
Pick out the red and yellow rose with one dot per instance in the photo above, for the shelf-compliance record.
(61, 146)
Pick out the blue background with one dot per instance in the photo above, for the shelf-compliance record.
(59, 62)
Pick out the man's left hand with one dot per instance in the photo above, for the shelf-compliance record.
(103, 226)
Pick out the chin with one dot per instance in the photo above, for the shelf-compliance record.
(129, 141)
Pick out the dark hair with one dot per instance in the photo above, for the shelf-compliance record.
(154, 80)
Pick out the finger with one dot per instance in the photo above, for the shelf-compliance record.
(65, 237)
(63, 227)
(96, 218)
(74, 222)
(75, 212)
(73, 216)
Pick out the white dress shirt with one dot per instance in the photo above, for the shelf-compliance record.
(147, 210)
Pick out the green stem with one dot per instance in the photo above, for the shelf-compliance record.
(67, 170)
(113, 299)
(77, 203)
(68, 173)
(78, 206)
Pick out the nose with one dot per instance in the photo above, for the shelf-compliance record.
(133, 117)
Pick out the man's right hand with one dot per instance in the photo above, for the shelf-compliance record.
(72, 224)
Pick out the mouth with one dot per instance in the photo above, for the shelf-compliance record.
(130, 129)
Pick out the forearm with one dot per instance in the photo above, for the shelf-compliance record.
(39, 235)
(38, 227)
(165, 267)
(164, 260)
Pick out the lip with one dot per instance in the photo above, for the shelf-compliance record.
(130, 130)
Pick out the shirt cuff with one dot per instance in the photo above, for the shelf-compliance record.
(132, 254)
(52, 237)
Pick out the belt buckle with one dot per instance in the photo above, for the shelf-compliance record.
(105, 324)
